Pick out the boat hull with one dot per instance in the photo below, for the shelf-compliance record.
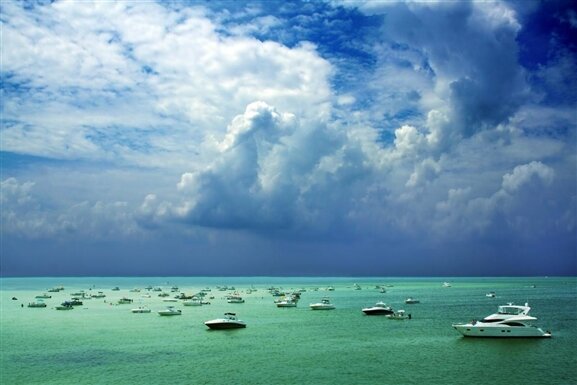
(377, 311)
(322, 307)
(224, 325)
(500, 331)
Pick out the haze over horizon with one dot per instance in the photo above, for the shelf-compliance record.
(272, 138)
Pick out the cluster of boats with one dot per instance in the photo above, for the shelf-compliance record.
(509, 321)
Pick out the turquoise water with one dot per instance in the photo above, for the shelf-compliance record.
(100, 343)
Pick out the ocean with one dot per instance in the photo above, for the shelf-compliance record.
(101, 342)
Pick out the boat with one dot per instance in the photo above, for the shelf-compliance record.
(411, 300)
(115, 288)
(490, 294)
(446, 284)
(65, 306)
(399, 315)
(170, 310)
(234, 299)
(124, 300)
(228, 322)
(141, 309)
(288, 302)
(192, 302)
(509, 321)
(75, 302)
(43, 296)
(325, 304)
(380, 308)
(37, 304)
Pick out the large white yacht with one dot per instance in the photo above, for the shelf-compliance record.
(228, 322)
(509, 321)
(325, 304)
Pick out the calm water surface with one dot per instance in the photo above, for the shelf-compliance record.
(102, 343)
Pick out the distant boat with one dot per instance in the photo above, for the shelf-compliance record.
(490, 294)
(229, 321)
(192, 302)
(234, 299)
(141, 309)
(123, 301)
(169, 311)
(288, 302)
(411, 300)
(399, 315)
(65, 306)
(37, 304)
(325, 304)
(509, 321)
(380, 308)
(446, 284)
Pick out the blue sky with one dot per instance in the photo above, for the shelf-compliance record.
(289, 138)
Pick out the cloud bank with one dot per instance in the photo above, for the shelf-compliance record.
(414, 133)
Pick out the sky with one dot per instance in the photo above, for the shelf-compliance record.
(276, 138)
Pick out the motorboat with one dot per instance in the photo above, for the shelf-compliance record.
(446, 284)
(288, 302)
(380, 308)
(509, 321)
(75, 302)
(124, 301)
(43, 296)
(229, 321)
(490, 294)
(234, 299)
(399, 315)
(192, 302)
(65, 306)
(37, 304)
(411, 300)
(325, 304)
(141, 309)
(170, 310)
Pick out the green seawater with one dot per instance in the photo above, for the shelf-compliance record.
(103, 343)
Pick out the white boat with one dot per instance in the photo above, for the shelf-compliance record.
(192, 302)
(380, 308)
(228, 322)
(234, 299)
(411, 300)
(446, 284)
(288, 302)
(141, 309)
(509, 321)
(399, 315)
(170, 310)
(490, 294)
(124, 301)
(325, 304)
(37, 304)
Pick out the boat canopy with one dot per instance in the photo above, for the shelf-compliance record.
(513, 309)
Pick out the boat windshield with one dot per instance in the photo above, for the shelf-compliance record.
(513, 310)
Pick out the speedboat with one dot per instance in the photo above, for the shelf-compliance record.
(37, 304)
(124, 300)
(509, 321)
(446, 284)
(43, 296)
(170, 310)
(325, 304)
(490, 294)
(65, 306)
(235, 299)
(411, 300)
(399, 315)
(288, 302)
(380, 308)
(141, 309)
(228, 322)
(192, 302)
